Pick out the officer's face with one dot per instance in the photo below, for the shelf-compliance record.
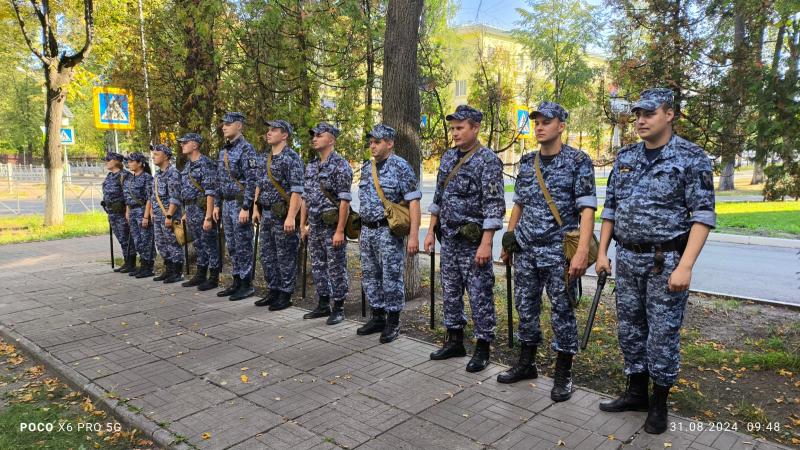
(380, 148)
(188, 147)
(653, 124)
(110, 164)
(231, 130)
(463, 131)
(159, 158)
(546, 130)
(276, 136)
(133, 166)
(321, 141)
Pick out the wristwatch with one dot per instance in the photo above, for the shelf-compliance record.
(246, 207)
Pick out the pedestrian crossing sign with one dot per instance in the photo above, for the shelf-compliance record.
(523, 122)
(113, 108)
(67, 136)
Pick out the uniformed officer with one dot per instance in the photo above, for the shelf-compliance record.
(114, 204)
(198, 188)
(278, 194)
(138, 212)
(659, 209)
(326, 204)
(539, 260)
(383, 254)
(166, 203)
(468, 207)
(236, 173)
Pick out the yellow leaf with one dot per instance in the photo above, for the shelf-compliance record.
(206, 436)
(244, 368)
(667, 445)
(561, 443)
(277, 399)
(243, 378)
(263, 374)
(611, 437)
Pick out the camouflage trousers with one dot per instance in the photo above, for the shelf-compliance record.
(650, 317)
(328, 263)
(119, 226)
(142, 237)
(166, 242)
(383, 261)
(459, 273)
(205, 243)
(278, 254)
(238, 239)
(529, 282)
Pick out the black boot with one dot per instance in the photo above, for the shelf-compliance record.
(230, 289)
(562, 379)
(212, 282)
(146, 270)
(323, 308)
(337, 313)
(132, 271)
(166, 273)
(177, 273)
(284, 301)
(633, 399)
(656, 422)
(129, 266)
(245, 290)
(524, 369)
(392, 329)
(453, 346)
(480, 359)
(198, 278)
(375, 324)
(268, 299)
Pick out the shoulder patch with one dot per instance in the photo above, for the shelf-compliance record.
(252, 163)
(706, 180)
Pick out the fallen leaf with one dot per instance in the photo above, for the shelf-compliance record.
(667, 444)
(263, 374)
(561, 443)
(206, 436)
(243, 378)
(244, 368)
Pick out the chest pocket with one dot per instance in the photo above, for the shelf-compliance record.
(391, 189)
(464, 183)
(625, 181)
(667, 182)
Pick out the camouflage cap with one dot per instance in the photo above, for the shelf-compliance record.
(551, 110)
(464, 112)
(282, 124)
(650, 99)
(324, 127)
(113, 155)
(161, 148)
(233, 116)
(137, 156)
(381, 131)
(190, 137)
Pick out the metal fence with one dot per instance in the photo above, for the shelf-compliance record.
(82, 188)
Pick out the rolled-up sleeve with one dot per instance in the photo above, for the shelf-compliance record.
(700, 191)
(174, 186)
(408, 184)
(610, 205)
(585, 191)
(343, 179)
(210, 178)
(296, 179)
(493, 193)
(437, 193)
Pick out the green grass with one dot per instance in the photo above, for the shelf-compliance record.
(510, 188)
(706, 355)
(28, 228)
(601, 181)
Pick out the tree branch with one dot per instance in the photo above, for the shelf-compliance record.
(25, 32)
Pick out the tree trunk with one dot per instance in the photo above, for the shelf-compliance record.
(726, 177)
(53, 162)
(758, 173)
(401, 104)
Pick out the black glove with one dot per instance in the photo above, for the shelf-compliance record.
(510, 242)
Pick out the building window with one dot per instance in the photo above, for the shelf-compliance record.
(461, 88)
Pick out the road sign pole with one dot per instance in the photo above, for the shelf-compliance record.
(116, 142)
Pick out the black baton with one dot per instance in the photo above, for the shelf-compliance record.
(433, 288)
(510, 306)
(601, 282)
(185, 245)
(111, 242)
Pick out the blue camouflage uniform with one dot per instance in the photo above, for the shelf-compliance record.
(169, 192)
(328, 263)
(541, 263)
(654, 202)
(114, 204)
(475, 195)
(137, 193)
(278, 251)
(236, 189)
(202, 173)
(382, 253)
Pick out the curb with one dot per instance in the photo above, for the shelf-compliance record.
(160, 436)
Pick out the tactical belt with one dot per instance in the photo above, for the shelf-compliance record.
(378, 224)
(238, 198)
(117, 207)
(677, 244)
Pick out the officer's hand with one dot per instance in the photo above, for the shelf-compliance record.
(484, 254)
(288, 225)
(413, 245)
(215, 214)
(127, 216)
(244, 216)
(207, 223)
(256, 216)
(338, 239)
(430, 242)
(578, 265)
(183, 217)
(168, 223)
(603, 264)
(145, 222)
(304, 232)
(506, 256)
(680, 279)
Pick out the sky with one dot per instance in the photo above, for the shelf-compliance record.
(497, 13)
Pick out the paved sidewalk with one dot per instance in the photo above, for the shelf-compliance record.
(191, 363)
